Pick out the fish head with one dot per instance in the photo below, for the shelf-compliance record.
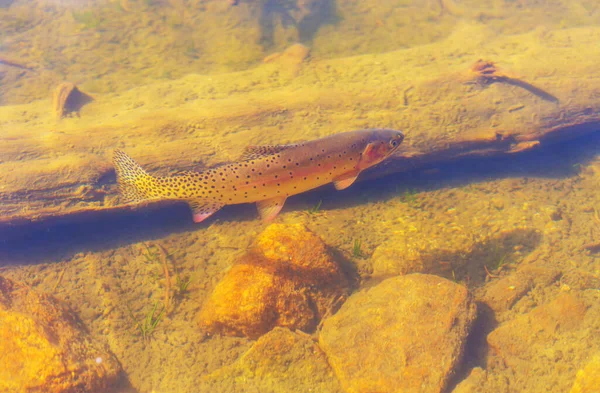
(380, 145)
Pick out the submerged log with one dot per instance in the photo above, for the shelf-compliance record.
(529, 90)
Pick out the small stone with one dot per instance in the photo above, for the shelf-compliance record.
(68, 98)
(500, 295)
(287, 278)
(296, 53)
(279, 361)
(497, 203)
(406, 334)
(45, 348)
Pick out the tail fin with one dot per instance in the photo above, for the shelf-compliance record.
(135, 184)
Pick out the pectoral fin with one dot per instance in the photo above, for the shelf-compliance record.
(269, 208)
(202, 209)
(345, 180)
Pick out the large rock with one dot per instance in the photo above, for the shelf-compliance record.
(407, 334)
(287, 279)
(45, 348)
(588, 378)
(280, 361)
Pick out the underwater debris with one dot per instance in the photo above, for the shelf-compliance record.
(68, 99)
(286, 279)
(487, 73)
(45, 348)
(14, 63)
(162, 257)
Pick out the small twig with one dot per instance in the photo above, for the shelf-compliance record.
(60, 277)
(488, 73)
(490, 275)
(596, 217)
(163, 258)
(15, 64)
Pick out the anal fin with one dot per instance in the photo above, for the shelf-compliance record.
(202, 209)
(269, 208)
(344, 181)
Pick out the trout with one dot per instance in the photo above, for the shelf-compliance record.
(267, 175)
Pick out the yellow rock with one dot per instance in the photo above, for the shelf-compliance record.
(279, 361)
(588, 378)
(286, 279)
(406, 334)
(44, 347)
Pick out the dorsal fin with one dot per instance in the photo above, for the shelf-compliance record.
(253, 152)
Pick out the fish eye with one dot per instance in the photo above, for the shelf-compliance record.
(394, 143)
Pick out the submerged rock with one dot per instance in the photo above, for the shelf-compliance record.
(406, 334)
(45, 348)
(588, 378)
(280, 361)
(287, 279)
(501, 295)
(67, 98)
(541, 346)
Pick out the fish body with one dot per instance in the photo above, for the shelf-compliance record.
(266, 175)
